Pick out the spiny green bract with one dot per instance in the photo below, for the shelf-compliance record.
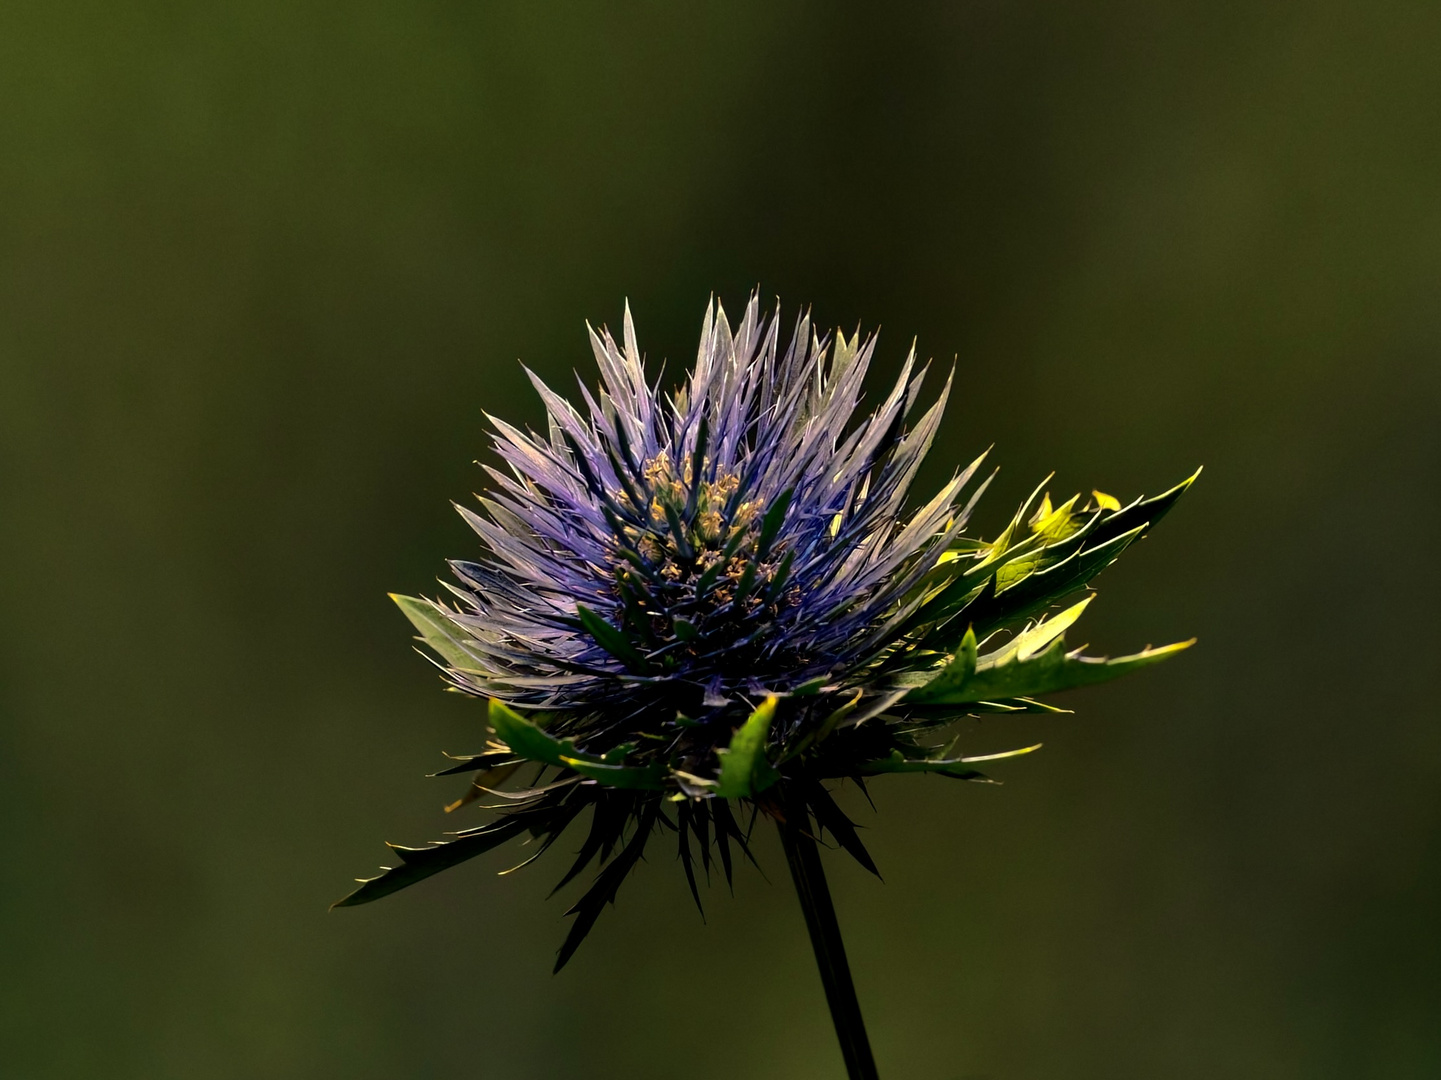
(715, 598)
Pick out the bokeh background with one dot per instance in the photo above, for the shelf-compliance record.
(264, 266)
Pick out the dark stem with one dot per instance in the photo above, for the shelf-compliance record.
(805, 862)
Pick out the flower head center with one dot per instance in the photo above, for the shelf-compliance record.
(691, 554)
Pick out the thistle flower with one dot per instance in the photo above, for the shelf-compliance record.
(694, 609)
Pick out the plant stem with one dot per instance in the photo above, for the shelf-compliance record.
(805, 862)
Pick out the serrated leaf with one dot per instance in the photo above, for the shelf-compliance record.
(1019, 567)
(1032, 641)
(744, 770)
(417, 864)
(630, 777)
(1002, 543)
(1059, 523)
(1010, 581)
(951, 677)
(959, 768)
(1144, 511)
(1050, 671)
(991, 610)
(529, 741)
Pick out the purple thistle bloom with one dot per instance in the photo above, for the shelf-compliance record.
(719, 597)
(738, 540)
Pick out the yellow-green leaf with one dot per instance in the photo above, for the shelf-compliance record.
(442, 635)
(744, 769)
(1049, 671)
(951, 677)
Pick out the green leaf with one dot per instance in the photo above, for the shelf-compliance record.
(613, 641)
(935, 715)
(631, 777)
(1007, 581)
(1002, 543)
(744, 769)
(1021, 566)
(992, 610)
(771, 523)
(545, 819)
(1029, 642)
(811, 686)
(530, 742)
(1104, 501)
(1144, 512)
(1047, 672)
(417, 864)
(959, 768)
(951, 677)
(443, 636)
(1056, 524)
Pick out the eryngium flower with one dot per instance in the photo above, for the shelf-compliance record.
(718, 597)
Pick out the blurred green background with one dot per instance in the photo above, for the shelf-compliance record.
(263, 266)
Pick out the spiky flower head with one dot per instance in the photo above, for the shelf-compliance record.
(694, 608)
